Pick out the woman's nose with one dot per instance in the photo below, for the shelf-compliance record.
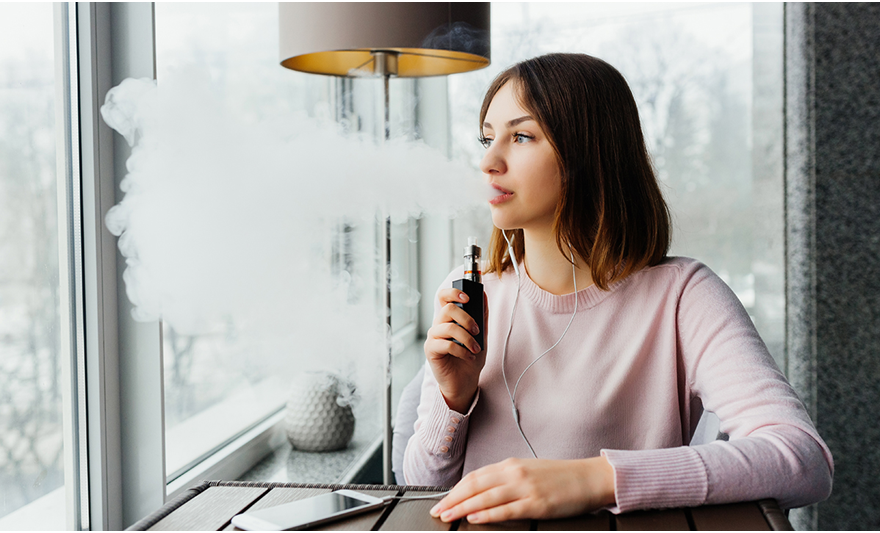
(493, 162)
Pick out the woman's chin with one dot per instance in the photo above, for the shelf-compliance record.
(503, 224)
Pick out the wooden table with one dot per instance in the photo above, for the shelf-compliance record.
(211, 506)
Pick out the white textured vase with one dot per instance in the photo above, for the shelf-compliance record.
(316, 419)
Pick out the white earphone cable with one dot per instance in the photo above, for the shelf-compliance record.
(512, 395)
(438, 496)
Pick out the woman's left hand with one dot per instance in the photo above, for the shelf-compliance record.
(529, 488)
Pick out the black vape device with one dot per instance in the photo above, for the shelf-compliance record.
(472, 285)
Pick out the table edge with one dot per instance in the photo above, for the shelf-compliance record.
(155, 517)
(774, 515)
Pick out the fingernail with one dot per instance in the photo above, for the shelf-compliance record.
(447, 515)
(475, 329)
(463, 297)
(435, 511)
(475, 518)
(475, 348)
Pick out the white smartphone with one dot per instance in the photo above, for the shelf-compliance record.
(307, 512)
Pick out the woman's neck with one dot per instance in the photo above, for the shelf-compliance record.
(548, 268)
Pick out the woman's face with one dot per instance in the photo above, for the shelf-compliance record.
(520, 162)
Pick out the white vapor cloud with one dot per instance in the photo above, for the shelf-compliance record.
(223, 218)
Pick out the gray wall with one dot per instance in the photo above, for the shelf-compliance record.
(832, 112)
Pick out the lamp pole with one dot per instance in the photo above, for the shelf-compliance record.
(385, 63)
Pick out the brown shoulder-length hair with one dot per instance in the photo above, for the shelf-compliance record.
(611, 211)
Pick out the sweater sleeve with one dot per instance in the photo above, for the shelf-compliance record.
(434, 454)
(774, 451)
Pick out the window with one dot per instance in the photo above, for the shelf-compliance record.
(32, 394)
(227, 374)
(216, 381)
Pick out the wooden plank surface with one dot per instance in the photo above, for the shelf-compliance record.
(731, 517)
(665, 520)
(210, 510)
(281, 495)
(364, 521)
(278, 496)
(409, 515)
(215, 506)
(774, 515)
(509, 525)
(586, 522)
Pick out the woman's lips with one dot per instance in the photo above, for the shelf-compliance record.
(503, 197)
(498, 194)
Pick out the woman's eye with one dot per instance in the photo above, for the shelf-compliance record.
(485, 141)
(522, 138)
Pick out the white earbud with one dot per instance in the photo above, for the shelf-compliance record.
(510, 253)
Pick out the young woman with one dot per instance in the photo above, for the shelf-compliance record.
(600, 351)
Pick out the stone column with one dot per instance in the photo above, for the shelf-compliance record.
(832, 188)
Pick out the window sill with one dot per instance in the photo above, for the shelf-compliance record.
(352, 464)
(235, 458)
(195, 440)
(286, 464)
(264, 454)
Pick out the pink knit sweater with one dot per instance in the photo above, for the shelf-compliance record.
(630, 380)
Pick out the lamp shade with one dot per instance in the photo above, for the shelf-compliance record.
(425, 38)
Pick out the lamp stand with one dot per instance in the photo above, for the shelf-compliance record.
(385, 63)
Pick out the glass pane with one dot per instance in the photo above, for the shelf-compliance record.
(31, 450)
(316, 264)
(225, 374)
(690, 69)
(218, 379)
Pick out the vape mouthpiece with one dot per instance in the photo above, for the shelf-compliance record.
(472, 254)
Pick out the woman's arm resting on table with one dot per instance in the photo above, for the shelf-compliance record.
(530, 488)
(774, 450)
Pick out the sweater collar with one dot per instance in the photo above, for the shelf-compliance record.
(586, 298)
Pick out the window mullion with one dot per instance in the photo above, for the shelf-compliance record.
(141, 382)
(101, 356)
(123, 358)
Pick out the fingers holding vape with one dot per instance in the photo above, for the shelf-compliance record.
(456, 347)
(454, 323)
(455, 357)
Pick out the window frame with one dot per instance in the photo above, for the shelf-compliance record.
(74, 492)
(70, 292)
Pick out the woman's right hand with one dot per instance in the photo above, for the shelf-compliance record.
(456, 368)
